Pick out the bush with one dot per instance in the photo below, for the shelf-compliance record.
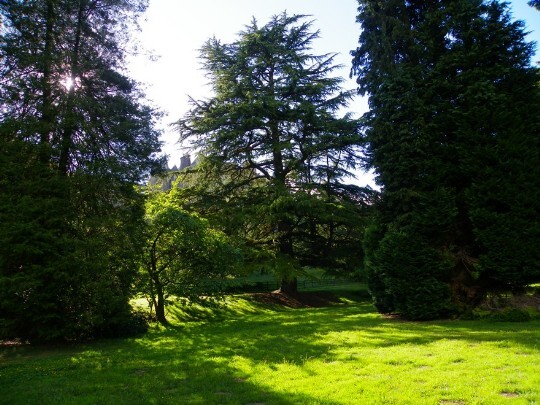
(134, 324)
(511, 315)
(407, 277)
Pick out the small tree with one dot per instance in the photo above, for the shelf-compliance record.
(183, 256)
(271, 142)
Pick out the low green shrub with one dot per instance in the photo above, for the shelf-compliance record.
(135, 324)
(511, 315)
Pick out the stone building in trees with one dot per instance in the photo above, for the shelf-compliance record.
(169, 176)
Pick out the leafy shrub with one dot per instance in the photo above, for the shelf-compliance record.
(511, 315)
(134, 324)
(407, 277)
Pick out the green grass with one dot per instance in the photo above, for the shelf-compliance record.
(247, 353)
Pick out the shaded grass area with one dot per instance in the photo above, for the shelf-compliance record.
(259, 353)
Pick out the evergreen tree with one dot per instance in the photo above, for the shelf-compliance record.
(271, 141)
(453, 137)
(74, 138)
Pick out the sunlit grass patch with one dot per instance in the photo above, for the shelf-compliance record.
(246, 352)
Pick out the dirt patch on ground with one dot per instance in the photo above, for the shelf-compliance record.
(297, 300)
(504, 301)
(526, 301)
(509, 394)
(9, 343)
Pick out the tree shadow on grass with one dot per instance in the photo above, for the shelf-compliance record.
(294, 335)
(216, 362)
(155, 372)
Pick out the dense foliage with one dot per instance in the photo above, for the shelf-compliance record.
(183, 256)
(453, 137)
(452, 134)
(74, 138)
(274, 151)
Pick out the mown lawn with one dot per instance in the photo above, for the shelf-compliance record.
(255, 354)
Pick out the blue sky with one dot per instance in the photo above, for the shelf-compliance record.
(174, 30)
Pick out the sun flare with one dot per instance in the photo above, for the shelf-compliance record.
(70, 83)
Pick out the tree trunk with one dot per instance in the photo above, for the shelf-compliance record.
(157, 287)
(70, 125)
(288, 285)
(160, 306)
(467, 292)
(47, 113)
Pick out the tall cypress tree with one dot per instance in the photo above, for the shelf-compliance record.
(453, 137)
(74, 138)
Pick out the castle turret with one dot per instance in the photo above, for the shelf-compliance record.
(185, 161)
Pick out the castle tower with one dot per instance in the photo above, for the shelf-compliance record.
(185, 161)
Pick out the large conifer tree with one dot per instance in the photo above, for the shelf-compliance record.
(273, 142)
(74, 138)
(453, 133)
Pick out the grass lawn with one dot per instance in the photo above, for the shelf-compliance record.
(250, 353)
